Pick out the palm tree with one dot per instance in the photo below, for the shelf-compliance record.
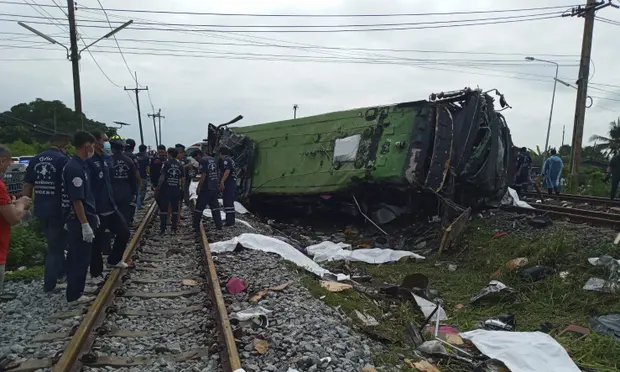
(609, 145)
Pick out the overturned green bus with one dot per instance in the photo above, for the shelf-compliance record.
(455, 147)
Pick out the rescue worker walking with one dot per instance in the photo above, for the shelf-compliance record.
(156, 163)
(44, 178)
(81, 216)
(552, 171)
(228, 185)
(185, 164)
(207, 191)
(130, 147)
(123, 179)
(524, 166)
(168, 190)
(143, 165)
(107, 210)
(613, 172)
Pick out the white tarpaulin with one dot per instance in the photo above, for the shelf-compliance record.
(329, 251)
(523, 351)
(239, 208)
(512, 198)
(272, 245)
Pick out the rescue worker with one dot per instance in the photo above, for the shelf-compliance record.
(168, 190)
(156, 163)
(613, 172)
(524, 166)
(130, 147)
(207, 191)
(44, 178)
(228, 185)
(81, 216)
(552, 171)
(185, 164)
(107, 211)
(143, 165)
(123, 179)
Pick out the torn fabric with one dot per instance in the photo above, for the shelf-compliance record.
(329, 251)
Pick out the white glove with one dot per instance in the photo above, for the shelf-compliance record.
(97, 222)
(87, 233)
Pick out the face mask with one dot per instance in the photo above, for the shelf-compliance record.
(91, 152)
(107, 148)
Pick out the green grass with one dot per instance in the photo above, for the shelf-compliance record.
(31, 273)
(559, 301)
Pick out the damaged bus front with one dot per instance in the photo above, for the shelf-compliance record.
(383, 161)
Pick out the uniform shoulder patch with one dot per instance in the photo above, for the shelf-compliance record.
(77, 182)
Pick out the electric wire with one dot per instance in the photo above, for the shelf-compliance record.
(117, 44)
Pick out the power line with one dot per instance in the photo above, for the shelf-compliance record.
(320, 15)
(116, 41)
(48, 17)
(433, 26)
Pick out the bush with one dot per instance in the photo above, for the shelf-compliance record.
(27, 246)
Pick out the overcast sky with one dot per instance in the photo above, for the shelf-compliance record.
(193, 91)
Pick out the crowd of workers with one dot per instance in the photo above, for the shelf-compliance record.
(86, 201)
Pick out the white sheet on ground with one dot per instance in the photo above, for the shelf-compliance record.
(523, 351)
(428, 308)
(512, 198)
(272, 245)
(329, 251)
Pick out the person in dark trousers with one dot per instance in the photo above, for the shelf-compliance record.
(185, 164)
(207, 191)
(123, 179)
(168, 190)
(44, 179)
(129, 149)
(524, 167)
(107, 210)
(143, 165)
(613, 172)
(156, 163)
(78, 202)
(228, 185)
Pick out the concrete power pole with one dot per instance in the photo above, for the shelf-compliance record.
(588, 12)
(295, 107)
(75, 58)
(157, 115)
(136, 91)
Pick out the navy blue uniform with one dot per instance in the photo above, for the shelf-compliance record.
(155, 166)
(230, 189)
(208, 193)
(124, 184)
(133, 204)
(189, 173)
(45, 173)
(77, 186)
(143, 164)
(170, 192)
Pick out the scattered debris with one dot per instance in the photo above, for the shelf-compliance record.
(499, 323)
(491, 365)
(422, 366)
(459, 307)
(369, 368)
(584, 332)
(189, 282)
(523, 351)
(491, 292)
(540, 221)
(235, 285)
(537, 273)
(258, 295)
(499, 235)
(432, 347)
(280, 288)
(257, 314)
(612, 284)
(510, 266)
(335, 286)
(546, 327)
(261, 346)
(368, 320)
(608, 325)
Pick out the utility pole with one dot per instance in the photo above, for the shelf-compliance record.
(136, 91)
(295, 107)
(75, 61)
(563, 131)
(588, 12)
(55, 122)
(157, 115)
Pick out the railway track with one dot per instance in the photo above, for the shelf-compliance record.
(166, 314)
(576, 215)
(595, 200)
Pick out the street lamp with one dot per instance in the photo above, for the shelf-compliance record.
(555, 82)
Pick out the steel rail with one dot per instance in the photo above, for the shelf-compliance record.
(594, 218)
(230, 355)
(82, 340)
(578, 198)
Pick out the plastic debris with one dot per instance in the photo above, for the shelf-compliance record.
(491, 291)
(335, 286)
(261, 346)
(491, 365)
(235, 285)
(510, 266)
(428, 307)
(257, 314)
(189, 282)
(537, 273)
(368, 320)
(608, 325)
(499, 323)
(601, 285)
(422, 366)
(432, 347)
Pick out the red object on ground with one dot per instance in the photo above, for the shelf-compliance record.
(5, 227)
(235, 285)
(499, 235)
